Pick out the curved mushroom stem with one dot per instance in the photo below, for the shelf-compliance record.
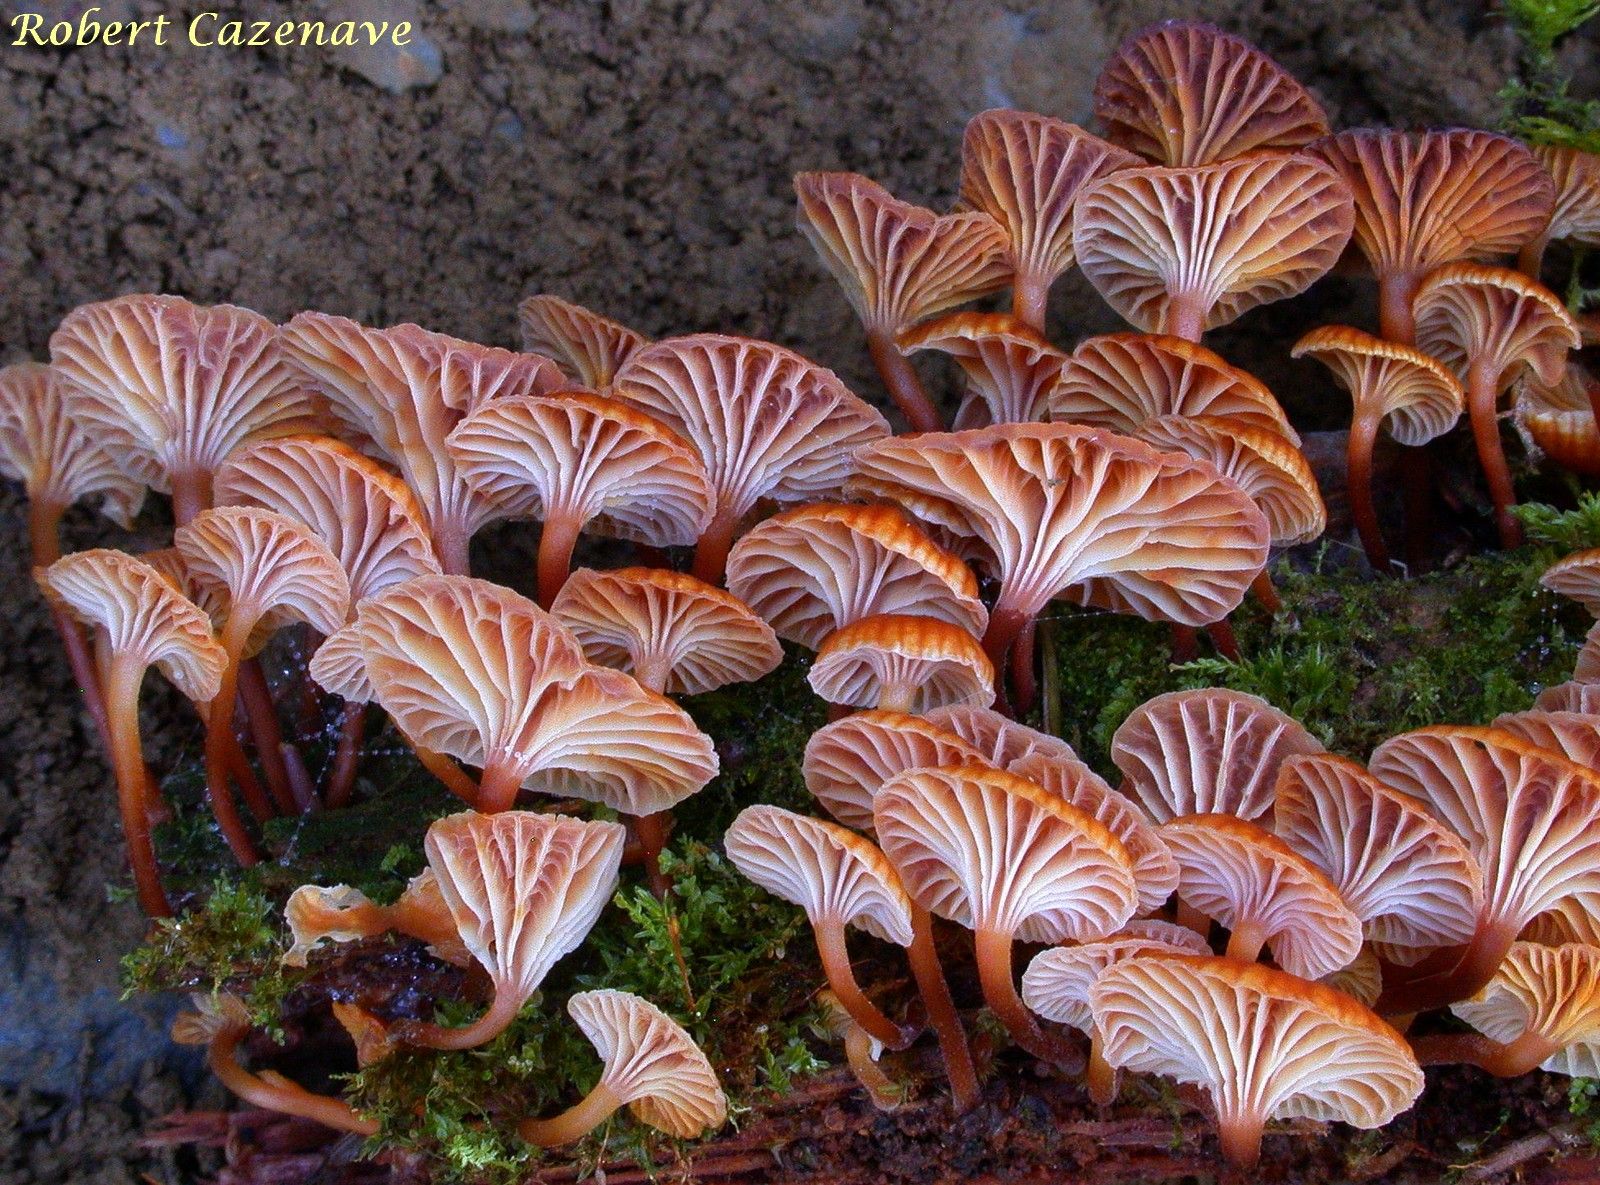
(1030, 300)
(346, 757)
(1266, 592)
(1101, 1076)
(1530, 260)
(905, 388)
(1521, 1056)
(497, 789)
(711, 553)
(1482, 396)
(1358, 479)
(447, 771)
(858, 1048)
(575, 1122)
(1024, 690)
(262, 716)
(841, 975)
(1006, 625)
(556, 541)
(122, 676)
(1186, 318)
(1396, 292)
(993, 950)
(502, 1011)
(1246, 940)
(1450, 975)
(219, 731)
(273, 1092)
(941, 1009)
(44, 537)
(1239, 1131)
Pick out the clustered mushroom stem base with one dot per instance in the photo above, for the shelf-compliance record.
(941, 1008)
(121, 679)
(219, 735)
(557, 539)
(900, 377)
(1358, 479)
(711, 553)
(993, 950)
(1482, 396)
(1512, 1060)
(574, 1123)
(278, 1094)
(1101, 1076)
(841, 975)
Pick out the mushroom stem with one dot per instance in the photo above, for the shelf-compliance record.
(858, 1050)
(652, 833)
(1358, 479)
(835, 957)
(1450, 975)
(993, 948)
(1192, 919)
(556, 541)
(451, 541)
(342, 774)
(1024, 690)
(448, 772)
(1530, 260)
(1186, 318)
(1006, 625)
(1482, 397)
(1246, 941)
(502, 1011)
(711, 553)
(276, 1093)
(1101, 1076)
(1239, 1132)
(1223, 638)
(1185, 643)
(1521, 1056)
(1396, 292)
(262, 716)
(497, 788)
(121, 678)
(1266, 592)
(191, 494)
(219, 730)
(905, 388)
(941, 1009)
(575, 1122)
(1030, 300)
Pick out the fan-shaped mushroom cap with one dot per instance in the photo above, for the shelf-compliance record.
(1010, 368)
(1264, 892)
(1410, 880)
(171, 388)
(1530, 818)
(475, 671)
(342, 914)
(1571, 696)
(1263, 464)
(367, 516)
(816, 569)
(140, 616)
(1549, 993)
(1061, 506)
(1024, 171)
(898, 263)
(1362, 980)
(651, 1063)
(1576, 576)
(999, 738)
(1120, 380)
(826, 870)
(405, 389)
(1154, 870)
(46, 448)
(1575, 216)
(904, 663)
(1206, 751)
(1411, 392)
(588, 347)
(584, 457)
(1587, 669)
(1471, 314)
(1183, 250)
(1057, 983)
(1574, 735)
(1576, 919)
(524, 889)
(1186, 93)
(847, 762)
(1167, 933)
(1560, 419)
(992, 851)
(766, 422)
(339, 666)
(670, 631)
(1263, 1044)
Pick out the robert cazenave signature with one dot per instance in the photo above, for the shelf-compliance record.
(202, 29)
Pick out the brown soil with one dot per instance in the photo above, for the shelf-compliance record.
(633, 156)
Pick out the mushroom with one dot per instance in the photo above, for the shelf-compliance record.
(1587, 669)
(472, 670)
(1560, 418)
(1389, 383)
(1262, 1044)
(405, 389)
(847, 762)
(1576, 576)
(1057, 983)
(1424, 199)
(1541, 1011)
(1183, 250)
(1531, 820)
(1362, 980)
(1010, 368)
(1206, 751)
(997, 854)
(1575, 216)
(1024, 171)
(1264, 892)
(816, 569)
(1574, 735)
(1186, 93)
(171, 388)
(1065, 509)
(576, 462)
(220, 1023)
(265, 571)
(1001, 740)
(1487, 324)
(766, 423)
(342, 914)
(524, 890)
(652, 1066)
(586, 346)
(1571, 696)
(902, 663)
(140, 621)
(840, 880)
(1409, 879)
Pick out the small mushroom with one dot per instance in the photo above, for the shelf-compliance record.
(1183, 250)
(1186, 93)
(1264, 1045)
(1575, 216)
(582, 462)
(899, 264)
(1576, 576)
(1560, 418)
(1574, 735)
(589, 348)
(902, 663)
(1010, 368)
(1002, 741)
(847, 762)
(342, 914)
(1389, 384)
(652, 1067)
(1025, 171)
(1487, 324)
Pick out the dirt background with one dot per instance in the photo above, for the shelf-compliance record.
(633, 156)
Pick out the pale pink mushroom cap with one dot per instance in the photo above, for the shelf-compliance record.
(903, 663)
(588, 347)
(1576, 576)
(1057, 983)
(1010, 369)
(999, 738)
(1552, 993)
(847, 762)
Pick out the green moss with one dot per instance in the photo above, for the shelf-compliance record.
(1539, 104)
(1577, 529)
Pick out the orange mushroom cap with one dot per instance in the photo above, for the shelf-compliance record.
(1471, 315)
(1000, 739)
(586, 346)
(1549, 993)
(902, 662)
(847, 762)
(343, 914)
(1010, 368)
(1574, 735)
(1576, 576)
(1560, 420)
(1411, 392)
(1186, 93)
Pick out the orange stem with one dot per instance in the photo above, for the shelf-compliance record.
(941, 1008)
(711, 553)
(556, 542)
(842, 979)
(346, 757)
(900, 377)
(279, 1094)
(1482, 397)
(993, 950)
(262, 716)
(121, 679)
